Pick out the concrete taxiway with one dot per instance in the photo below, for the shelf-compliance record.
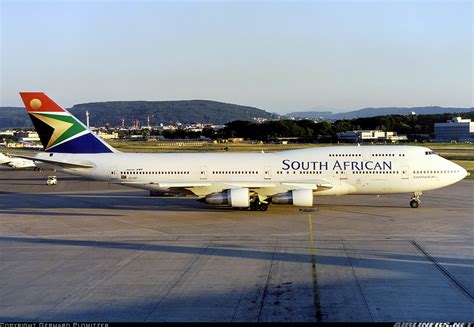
(90, 251)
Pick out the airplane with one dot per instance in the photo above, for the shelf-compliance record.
(239, 180)
(16, 162)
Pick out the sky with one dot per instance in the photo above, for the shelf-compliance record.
(281, 56)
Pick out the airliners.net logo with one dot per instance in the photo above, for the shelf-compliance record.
(433, 324)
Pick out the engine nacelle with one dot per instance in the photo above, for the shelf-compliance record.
(299, 198)
(235, 197)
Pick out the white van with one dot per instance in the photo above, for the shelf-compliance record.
(52, 180)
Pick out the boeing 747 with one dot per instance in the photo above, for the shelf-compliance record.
(240, 180)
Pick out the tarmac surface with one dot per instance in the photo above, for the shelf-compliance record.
(91, 251)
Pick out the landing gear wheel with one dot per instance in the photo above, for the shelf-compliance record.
(254, 206)
(415, 200)
(414, 203)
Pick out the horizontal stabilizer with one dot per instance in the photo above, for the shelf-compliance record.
(64, 164)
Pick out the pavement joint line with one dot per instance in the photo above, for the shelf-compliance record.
(357, 280)
(47, 272)
(444, 271)
(234, 314)
(314, 276)
(361, 213)
(264, 294)
(73, 297)
(135, 225)
(174, 283)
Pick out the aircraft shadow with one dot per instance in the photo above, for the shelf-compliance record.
(136, 201)
(220, 250)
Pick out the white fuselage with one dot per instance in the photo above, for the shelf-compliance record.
(348, 169)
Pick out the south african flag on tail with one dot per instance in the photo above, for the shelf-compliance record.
(58, 130)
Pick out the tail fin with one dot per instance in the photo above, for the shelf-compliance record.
(59, 131)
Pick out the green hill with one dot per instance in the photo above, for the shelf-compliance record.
(14, 117)
(187, 111)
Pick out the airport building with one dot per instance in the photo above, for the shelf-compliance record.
(370, 136)
(108, 135)
(28, 136)
(10, 133)
(457, 129)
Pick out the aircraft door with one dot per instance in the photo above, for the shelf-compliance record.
(405, 172)
(203, 174)
(114, 174)
(342, 175)
(339, 176)
(268, 172)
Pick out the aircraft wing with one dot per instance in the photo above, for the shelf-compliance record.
(203, 184)
(316, 185)
(170, 184)
(64, 164)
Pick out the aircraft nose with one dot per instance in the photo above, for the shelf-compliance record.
(462, 172)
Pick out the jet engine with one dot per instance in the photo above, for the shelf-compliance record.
(235, 197)
(299, 197)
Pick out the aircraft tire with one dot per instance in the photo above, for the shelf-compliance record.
(414, 204)
(254, 206)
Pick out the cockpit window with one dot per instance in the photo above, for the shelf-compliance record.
(429, 153)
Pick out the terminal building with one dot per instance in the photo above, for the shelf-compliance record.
(28, 136)
(457, 129)
(361, 136)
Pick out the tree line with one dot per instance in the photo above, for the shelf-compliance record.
(416, 127)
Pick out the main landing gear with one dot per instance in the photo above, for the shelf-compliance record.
(415, 200)
(257, 205)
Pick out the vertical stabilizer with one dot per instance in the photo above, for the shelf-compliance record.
(59, 131)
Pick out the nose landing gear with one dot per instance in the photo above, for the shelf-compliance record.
(415, 200)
